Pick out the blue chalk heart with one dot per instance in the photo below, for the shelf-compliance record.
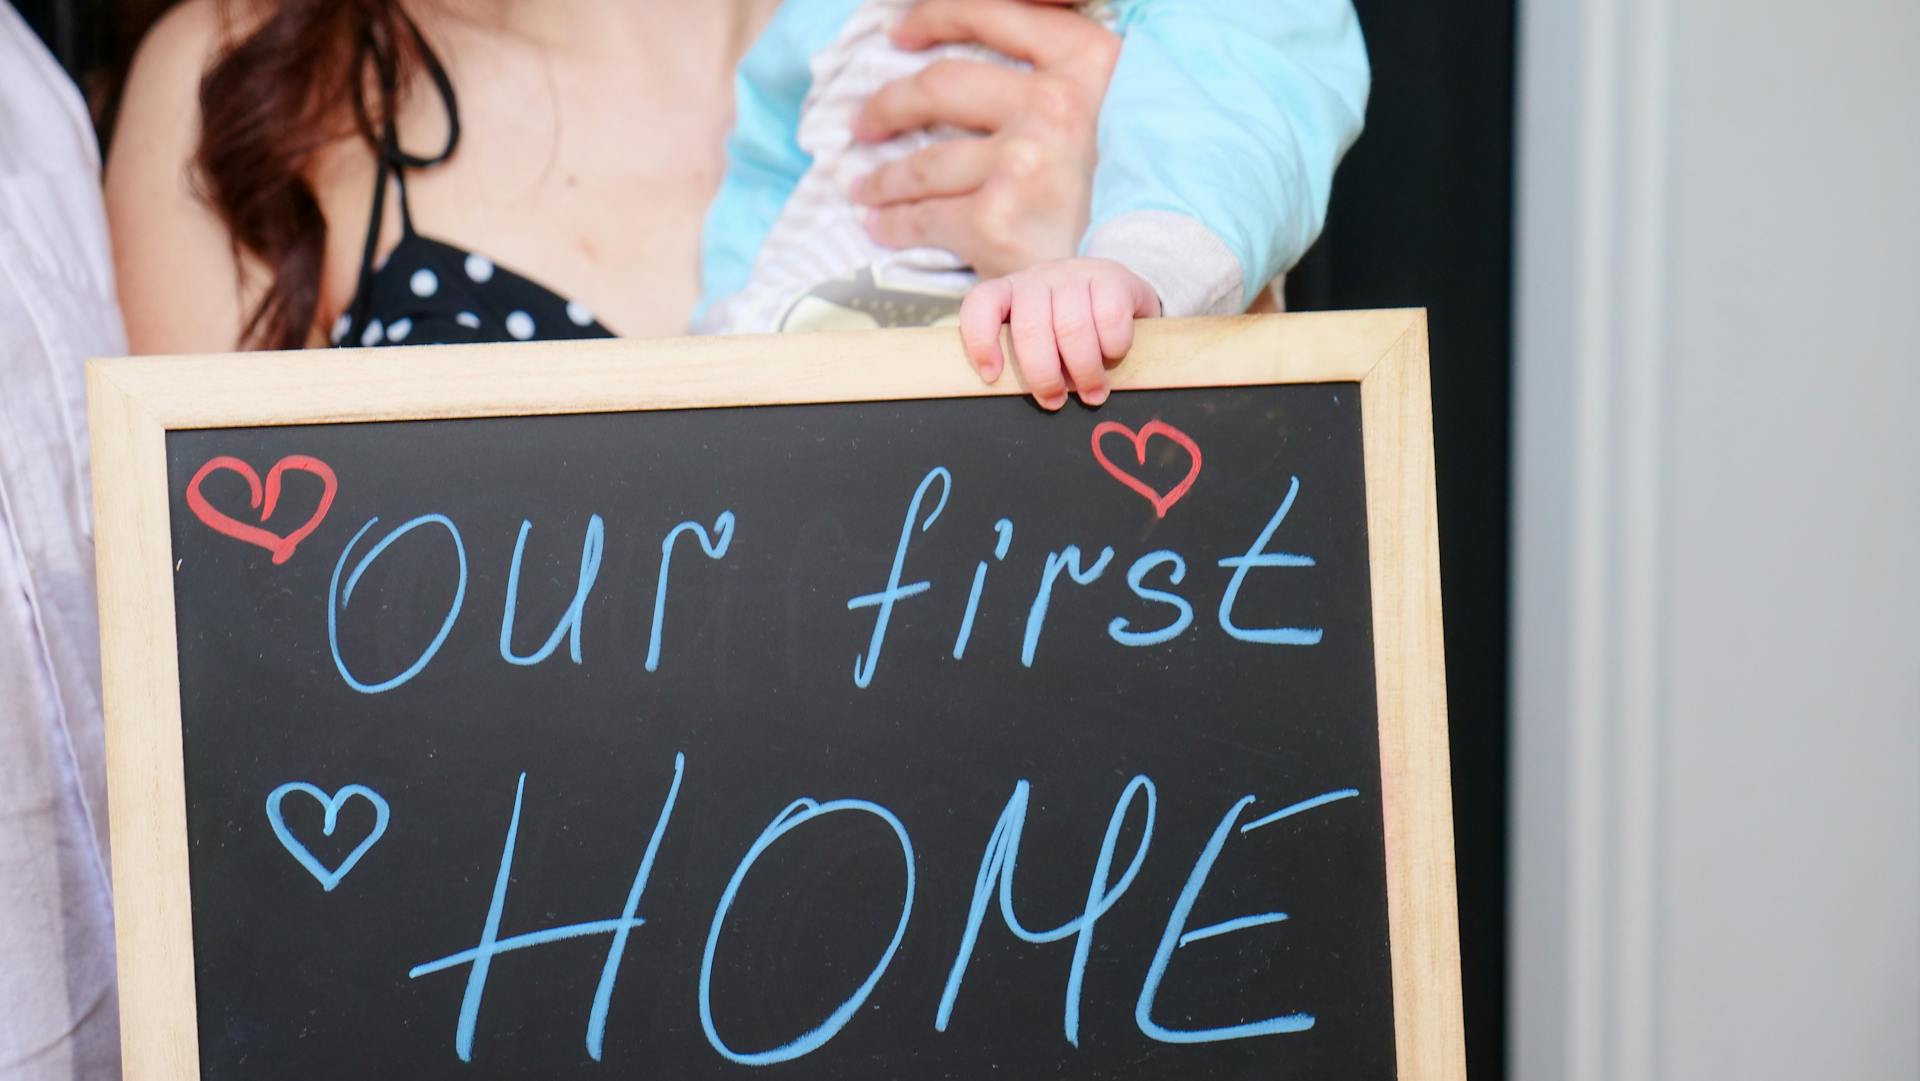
(327, 879)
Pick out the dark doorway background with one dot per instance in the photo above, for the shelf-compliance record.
(1421, 216)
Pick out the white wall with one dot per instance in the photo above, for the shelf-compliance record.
(1717, 625)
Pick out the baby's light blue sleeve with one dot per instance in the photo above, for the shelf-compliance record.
(1231, 114)
(764, 159)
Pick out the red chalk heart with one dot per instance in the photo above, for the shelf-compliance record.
(281, 546)
(1161, 503)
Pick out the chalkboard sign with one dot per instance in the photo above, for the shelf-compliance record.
(790, 705)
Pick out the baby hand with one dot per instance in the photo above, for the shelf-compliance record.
(1069, 318)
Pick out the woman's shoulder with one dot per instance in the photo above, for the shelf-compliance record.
(168, 243)
(164, 80)
(159, 115)
(189, 35)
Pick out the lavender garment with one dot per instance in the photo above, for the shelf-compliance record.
(58, 1016)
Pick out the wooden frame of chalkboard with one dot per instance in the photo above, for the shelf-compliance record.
(136, 402)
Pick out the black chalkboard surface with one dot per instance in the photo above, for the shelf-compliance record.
(863, 739)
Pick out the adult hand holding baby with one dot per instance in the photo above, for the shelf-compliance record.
(1214, 179)
(1012, 201)
(1018, 193)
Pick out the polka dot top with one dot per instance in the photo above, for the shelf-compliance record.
(428, 292)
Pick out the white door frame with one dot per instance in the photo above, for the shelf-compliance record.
(1589, 510)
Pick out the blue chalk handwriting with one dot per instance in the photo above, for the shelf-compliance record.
(1177, 936)
(997, 868)
(1136, 574)
(864, 664)
(337, 600)
(480, 957)
(1258, 556)
(1227, 927)
(1292, 809)
(569, 625)
(1004, 528)
(1067, 559)
(723, 529)
(793, 816)
(610, 972)
(328, 879)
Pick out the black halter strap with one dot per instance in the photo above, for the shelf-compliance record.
(393, 162)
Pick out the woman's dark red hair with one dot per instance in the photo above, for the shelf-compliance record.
(302, 76)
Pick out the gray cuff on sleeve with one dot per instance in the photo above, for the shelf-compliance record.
(1192, 269)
